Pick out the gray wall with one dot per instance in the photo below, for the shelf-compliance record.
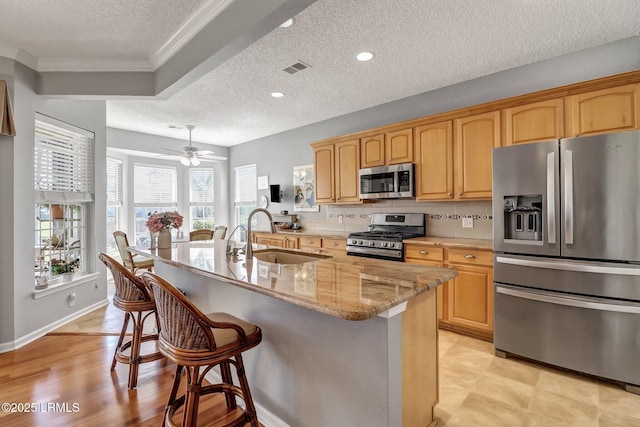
(26, 314)
(277, 154)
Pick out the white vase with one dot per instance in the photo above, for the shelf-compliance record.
(164, 239)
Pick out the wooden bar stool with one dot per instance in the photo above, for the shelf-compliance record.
(194, 340)
(138, 304)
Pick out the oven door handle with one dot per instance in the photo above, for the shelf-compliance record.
(570, 301)
(570, 266)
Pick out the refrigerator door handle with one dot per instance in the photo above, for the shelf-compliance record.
(572, 301)
(568, 196)
(570, 266)
(551, 197)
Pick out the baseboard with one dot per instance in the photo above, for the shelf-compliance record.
(24, 340)
(266, 417)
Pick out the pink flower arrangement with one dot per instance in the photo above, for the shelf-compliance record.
(161, 220)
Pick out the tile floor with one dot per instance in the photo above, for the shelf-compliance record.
(478, 389)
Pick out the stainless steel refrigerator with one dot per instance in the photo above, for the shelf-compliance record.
(567, 254)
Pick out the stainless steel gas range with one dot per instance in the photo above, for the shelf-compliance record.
(385, 235)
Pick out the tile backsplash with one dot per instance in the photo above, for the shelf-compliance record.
(444, 219)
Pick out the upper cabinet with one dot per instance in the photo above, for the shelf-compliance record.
(389, 148)
(336, 168)
(434, 161)
(608, 110)
(372, 151)
(475, 138)
(324, 170)
(399, 146)
(347, 160)
(539, 121)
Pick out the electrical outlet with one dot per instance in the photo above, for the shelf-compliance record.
(467, 222)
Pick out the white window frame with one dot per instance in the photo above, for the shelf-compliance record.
(150, 205)
(198, 198)
(244, 198)
(115, 197)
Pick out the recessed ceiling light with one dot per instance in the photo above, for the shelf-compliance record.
(364, 56)
(289, 22)
(277, 94)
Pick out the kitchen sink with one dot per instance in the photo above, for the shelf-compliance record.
(282, 256)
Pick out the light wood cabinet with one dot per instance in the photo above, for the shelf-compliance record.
(346, 163)
(338, 246)
(465, 303)
(336, 168)
(399, 147)
(434, 161)
(372, 151)
(475, 137)
(309, 242)
(609, 110)
(538, 121)
(276, 240)
(324, 170)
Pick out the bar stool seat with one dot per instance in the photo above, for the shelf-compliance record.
(137, 302)
(194, 340)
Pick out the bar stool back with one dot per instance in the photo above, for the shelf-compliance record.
(193, 340)
(137, 302)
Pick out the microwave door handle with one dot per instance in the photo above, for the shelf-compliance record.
(551, 197)
(568, 197)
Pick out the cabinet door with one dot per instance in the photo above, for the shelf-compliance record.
(310, 242)
(475, 138)
(372, 151)
(442, 294)
(471, 297)
(278, 242)
(540, 121)
(434, 161)
(608, 110)
(338, 246)
(324, 172)
(399, 146)
(347, 159)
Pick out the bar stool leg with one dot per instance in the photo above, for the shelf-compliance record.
(134, 359)
(192, 397)
(250, 409)
(122, 334)
(225, 371)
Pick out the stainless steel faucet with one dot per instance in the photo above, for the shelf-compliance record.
(249, 250)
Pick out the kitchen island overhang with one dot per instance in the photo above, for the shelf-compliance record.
(313, 368)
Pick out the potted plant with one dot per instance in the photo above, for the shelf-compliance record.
(64, 268)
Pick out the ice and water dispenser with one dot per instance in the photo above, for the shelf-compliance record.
(523, 217)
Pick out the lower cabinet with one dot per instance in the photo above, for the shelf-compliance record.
(465, 303)
(277, 240)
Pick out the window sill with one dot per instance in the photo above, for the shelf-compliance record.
(61, 286)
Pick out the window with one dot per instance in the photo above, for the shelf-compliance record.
(63, 184)
(154, 189)
(245, 192)
(114, 201)
(201, 198)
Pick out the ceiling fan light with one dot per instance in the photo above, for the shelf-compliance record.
(195, 161)
(184, 161)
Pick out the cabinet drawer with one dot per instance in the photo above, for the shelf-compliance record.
(310, 242)
(471, 256)
(335, 244)
(424, 252)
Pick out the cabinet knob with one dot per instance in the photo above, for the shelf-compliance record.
(309, 241)
(423, 252)
(459, 194)
(469, 256)
(334, 244)
(450, 194)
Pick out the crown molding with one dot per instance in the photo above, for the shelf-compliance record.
(200, 18)
(89, 65)
(18, 55)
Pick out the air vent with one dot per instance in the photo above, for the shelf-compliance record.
(298, 66)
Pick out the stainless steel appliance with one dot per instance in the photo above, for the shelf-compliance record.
(567, 278)
(385, 235)
(387, 182)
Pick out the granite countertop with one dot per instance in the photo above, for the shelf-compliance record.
(452, 242)
(347, 287)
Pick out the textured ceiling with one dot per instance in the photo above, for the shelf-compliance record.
(420, 45)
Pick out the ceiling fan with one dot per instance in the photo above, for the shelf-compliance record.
(190, 155)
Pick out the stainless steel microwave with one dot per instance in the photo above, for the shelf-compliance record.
(387, 182)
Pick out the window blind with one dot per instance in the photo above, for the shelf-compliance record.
(154, 185)
(246, 185)
(62, 161)
(201, 186)
(114, 182)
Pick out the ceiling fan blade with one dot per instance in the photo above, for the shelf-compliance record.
(170, 151)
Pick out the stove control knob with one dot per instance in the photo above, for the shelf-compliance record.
(360, 242)
(384, 244)
(372, 243)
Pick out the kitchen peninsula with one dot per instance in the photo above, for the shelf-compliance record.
(346, 340)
